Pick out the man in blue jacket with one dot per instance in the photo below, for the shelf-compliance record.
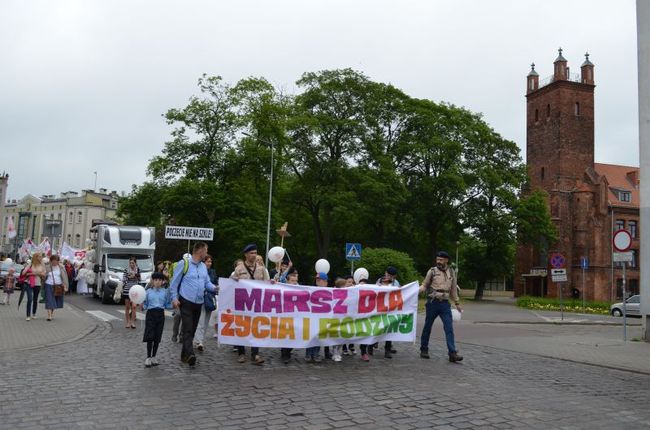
(187, 290)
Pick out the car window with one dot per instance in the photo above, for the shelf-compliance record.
(634, 299)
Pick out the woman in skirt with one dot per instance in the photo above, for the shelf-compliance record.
(131, 277)
(156, 301)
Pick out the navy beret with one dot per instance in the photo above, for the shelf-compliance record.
(250, 247)
(443, 254)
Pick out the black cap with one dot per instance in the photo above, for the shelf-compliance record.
(158, 275)
(391, 271)
(250, 247)
(443, 254)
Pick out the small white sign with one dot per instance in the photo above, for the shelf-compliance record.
(188, 233)
(538, 272)
(623, 257)
(558, 275)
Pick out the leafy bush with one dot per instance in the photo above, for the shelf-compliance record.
(376, 260)
(570, 305)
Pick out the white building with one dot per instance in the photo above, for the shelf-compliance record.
(67, 217)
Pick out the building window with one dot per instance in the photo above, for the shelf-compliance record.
(77, 240)
(542, 173)
(635, 256)
(620, 225)
(631, 227)
(79, 217)
(71, 217)
(625, 196)
(577, 108)
(536, 115)
(68, 238)
(548, 111)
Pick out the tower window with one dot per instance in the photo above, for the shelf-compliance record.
(548, 111)
(536, 115)
(542, 173)
(577, 110)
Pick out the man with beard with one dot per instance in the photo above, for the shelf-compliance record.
(440, 286)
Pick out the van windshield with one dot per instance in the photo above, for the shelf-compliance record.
(119, 262)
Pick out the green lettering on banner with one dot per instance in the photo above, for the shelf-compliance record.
(363, 326)
(328, 327)
(406, 324)
(347, 328)
(377, 329)
(393, 323)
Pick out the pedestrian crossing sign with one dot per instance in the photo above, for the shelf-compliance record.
(352, 251)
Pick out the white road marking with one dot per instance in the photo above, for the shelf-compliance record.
(106, 317)
(138, 315)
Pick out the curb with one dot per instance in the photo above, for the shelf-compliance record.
(91, 329)
(569, 360)
(587, 323)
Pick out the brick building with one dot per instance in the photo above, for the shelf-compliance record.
(587, 200)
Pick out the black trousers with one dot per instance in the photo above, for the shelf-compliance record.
(254, 351)
(190, 314)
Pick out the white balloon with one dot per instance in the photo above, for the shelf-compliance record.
(276, 254)
(455, 315)
(360, 273)
(46, 260)
(137, 294)
(187, 256)
(322, 266)
(8, 261)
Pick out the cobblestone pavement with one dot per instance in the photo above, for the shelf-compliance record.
(100, 382)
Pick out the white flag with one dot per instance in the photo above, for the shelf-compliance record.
(11, 229)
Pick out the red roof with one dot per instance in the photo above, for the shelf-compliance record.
(623, 183)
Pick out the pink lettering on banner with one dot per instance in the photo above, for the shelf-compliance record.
(340, 295)
(245, 301)
(320, 302)
(272, 300)
(297, 301)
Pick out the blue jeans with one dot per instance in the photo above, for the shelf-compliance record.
(442, 309)
(32, 298)
(314, 351)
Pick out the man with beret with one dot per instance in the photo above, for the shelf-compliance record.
(249, 268)
(440, 287)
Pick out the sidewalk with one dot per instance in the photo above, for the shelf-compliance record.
(514, 329)
(15, 333)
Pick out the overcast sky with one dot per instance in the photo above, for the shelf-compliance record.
(83, 83)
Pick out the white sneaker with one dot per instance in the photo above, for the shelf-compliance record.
(337, 357)
(27, 319)
(154, 361)
(147, 362)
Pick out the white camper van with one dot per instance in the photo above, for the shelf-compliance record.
(113, 245)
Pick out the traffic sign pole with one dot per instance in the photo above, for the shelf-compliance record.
(624, 306)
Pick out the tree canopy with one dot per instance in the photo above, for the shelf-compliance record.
(353, 161)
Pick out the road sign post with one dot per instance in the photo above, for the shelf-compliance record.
(584, 263)
(622, 241)
(558, 275)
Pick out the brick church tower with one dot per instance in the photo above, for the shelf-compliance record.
(560, 161)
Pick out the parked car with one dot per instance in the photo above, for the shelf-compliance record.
(632, 307)
(4, 269)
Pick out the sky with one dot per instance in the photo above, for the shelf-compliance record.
(83, 84)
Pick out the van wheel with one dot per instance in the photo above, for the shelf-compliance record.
(617, 312)
(107, 298)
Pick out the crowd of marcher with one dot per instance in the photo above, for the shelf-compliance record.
(189, 287)
(193, 288)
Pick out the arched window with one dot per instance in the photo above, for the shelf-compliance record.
(577, 108)
(548, 111)
(536, 115)
(542, 173)
(77, 240)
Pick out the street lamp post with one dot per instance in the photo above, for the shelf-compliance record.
(268, 218)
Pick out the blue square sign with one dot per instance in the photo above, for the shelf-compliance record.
(353, 251)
